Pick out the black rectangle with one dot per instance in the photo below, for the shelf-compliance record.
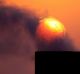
(49, 62)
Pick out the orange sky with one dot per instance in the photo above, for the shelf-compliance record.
(67, 11)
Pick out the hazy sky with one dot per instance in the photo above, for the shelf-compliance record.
(67, 11)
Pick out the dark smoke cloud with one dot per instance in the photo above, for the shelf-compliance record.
(59, 44)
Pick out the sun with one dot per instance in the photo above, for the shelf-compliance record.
(50, 28)
(53, 25)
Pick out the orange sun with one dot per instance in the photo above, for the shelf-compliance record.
(50, 28)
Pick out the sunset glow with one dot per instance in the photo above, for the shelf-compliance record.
(68, 11)
(50, 28)
(54, 25)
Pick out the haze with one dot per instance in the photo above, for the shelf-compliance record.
(67, 11)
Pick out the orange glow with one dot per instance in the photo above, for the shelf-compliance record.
(67, 11)
(54, 24)
(50, 28)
